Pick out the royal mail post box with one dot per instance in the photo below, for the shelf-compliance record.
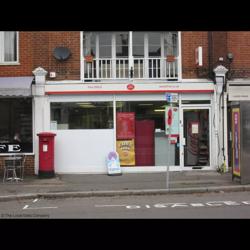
(46, 154)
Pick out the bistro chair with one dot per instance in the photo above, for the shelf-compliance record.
(12, 165)
(19, 164)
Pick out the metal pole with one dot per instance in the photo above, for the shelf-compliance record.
(167, 174)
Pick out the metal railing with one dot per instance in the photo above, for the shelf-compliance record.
(120, 68)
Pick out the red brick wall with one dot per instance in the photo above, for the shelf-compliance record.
(36, 49)
(190, 40)
(29, 169)
(239, 45)
(25, 58)
(219, 46)
(46, 42)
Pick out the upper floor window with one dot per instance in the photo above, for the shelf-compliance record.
(122, 44)
(8, 46)
(130, 54)
(138, 44)
(154, 44)
(117, 44)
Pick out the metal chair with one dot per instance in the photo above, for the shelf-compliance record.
(19, 164)
(11, 165)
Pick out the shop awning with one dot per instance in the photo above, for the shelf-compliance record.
(16, 86)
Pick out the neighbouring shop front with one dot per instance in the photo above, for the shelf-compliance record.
(239, 129)
(16, 134)
(16, 123)
(89, 122)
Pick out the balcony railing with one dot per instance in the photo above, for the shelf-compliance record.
(138, 68)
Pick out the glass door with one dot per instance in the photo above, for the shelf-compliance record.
(195, 144)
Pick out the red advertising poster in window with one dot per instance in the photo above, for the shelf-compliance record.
(125, 125)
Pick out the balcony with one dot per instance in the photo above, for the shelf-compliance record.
(122, 55)
(136, 68)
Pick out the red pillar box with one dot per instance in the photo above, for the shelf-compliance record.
(46, 155)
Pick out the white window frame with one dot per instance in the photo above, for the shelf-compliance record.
(2, 62)
(130, 55)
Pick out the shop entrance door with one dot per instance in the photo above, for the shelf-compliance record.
(196, 139)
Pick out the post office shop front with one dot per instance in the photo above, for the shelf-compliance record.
(89, 124)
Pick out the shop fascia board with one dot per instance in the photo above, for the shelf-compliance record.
(109, 88)
(239, 90)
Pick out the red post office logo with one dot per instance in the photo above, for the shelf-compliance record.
(130, 86)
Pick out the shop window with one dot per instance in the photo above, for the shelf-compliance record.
(142, 137)
(16, 125)
(8, 46)
(81, 115)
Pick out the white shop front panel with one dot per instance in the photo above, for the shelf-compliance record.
(82, 151)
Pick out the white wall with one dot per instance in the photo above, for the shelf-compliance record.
(82, 151)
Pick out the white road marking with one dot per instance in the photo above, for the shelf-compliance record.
(197, 205)
(183, 205)
(122, 205)
(34, 201)
(215, 203)
(40, 207)
(133, 206)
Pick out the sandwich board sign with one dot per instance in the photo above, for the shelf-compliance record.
(113, 164)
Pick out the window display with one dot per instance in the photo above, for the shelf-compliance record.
(16, 125)
(150, 139)
(81, 115)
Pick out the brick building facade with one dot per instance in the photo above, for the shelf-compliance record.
(36, 50)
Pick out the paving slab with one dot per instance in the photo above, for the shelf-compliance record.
(125, 184)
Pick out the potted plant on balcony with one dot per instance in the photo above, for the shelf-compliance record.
(89, 58)
(170, 58)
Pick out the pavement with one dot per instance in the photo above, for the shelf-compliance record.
(88, 185)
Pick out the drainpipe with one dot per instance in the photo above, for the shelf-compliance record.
(225, 130)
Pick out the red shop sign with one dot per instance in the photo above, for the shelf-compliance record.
(130, 86)
(125, 125)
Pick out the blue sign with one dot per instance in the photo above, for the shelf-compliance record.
(172, 97)
(169, 97)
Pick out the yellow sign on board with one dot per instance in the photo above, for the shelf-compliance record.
(126, 151)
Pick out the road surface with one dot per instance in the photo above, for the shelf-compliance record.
(209, 205)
